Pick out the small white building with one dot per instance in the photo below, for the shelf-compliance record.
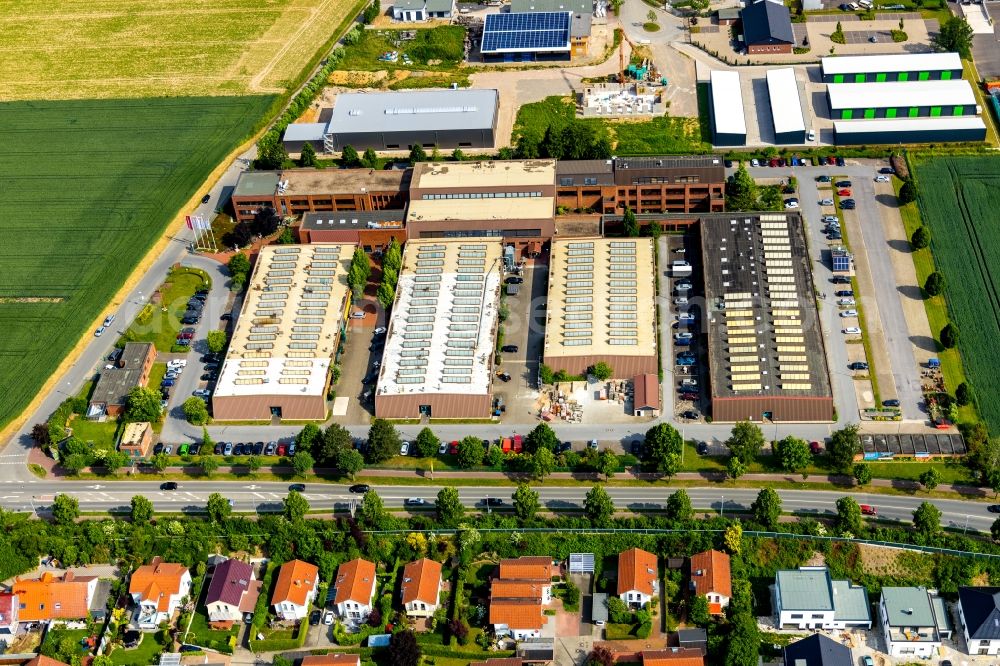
(412, 11)
(157, 589)
(295, 590)
(421, 587)
(808, 598)
(354, 589)
(638, 578)
(914, 621)
(979, 613)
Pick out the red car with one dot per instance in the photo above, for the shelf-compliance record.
(774, 162)
(518, 443)
(689, 396)
(453, 448)
(843, 193)
(185, 336)
(868, 510)
(816, 448)
(282, 449)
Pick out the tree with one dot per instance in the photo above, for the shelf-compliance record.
(65, 509)
(470, 452)
(427, 443)
(216, 341)
(602, 655)
(40, 435)
(542, 436)
(295, 506)
(930, 478)
(793, 453)
(208, 465)
(309, 439)
(336, 438)
(907, 194)
(218, 508)
(920, 239)
(844, 446)
(350, 462)
(744, 640)
(741, 192)
(745, 441)
(601, 371)
(934, 284)
(767, 508)
(848, 519)
(350, 157)
(735, 468)
(963, 394)
(160, 462)
(372, 12)
(241, 236)
(142, 404)
(663, 447)
(630, 225)
(417, 154)
(949, 336)
(449, 507)
(114, 461)
(302, 462)
(651, 16)
(74, 463)
(370, 159)
(927, 519)
(254, 463)
(733, 538)
(955, 34)
(699, 612)
(995, 530)
(542, 463)
(373, 513)
(265, 222)
(457, 155)
(679, 506)
(142, 509)
(403, 649)
(526, 503)
(271, 153)
(654, 229)
(598, 507)
(383, 441)
(862, 473)
(238, 264)
(307, 156)
(607, 463)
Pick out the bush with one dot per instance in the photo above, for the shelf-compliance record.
(899, 36)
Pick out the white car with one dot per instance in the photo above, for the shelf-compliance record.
(754, 163)
(849, 313)
(846, 302)
(812, 135)
(851, 330)
(201, 393)
(358, 314)
(685, 316)
(328, 617)
(681, 300)
(379, 331)
(791, 203)
(831, 219)
(684, 336)
(404, 450)
(593, 444)
(826, 202)
(881, 179)
(443, 449)
(110, 318)
(98, 332)
(177, 362)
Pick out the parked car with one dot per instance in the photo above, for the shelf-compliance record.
(846, 293)
(840, 279)
(404, 449)
(823, 162)
(593, 444)
(815, 448)
(360, 488)
(843, 193)
(890, 403)
(563, 447)
(993, 508)
(503, 376)
(830, 219)
(846, 302)
(887, 170)
(690, 414)
(228, 449)
(881, 179)
(219, 448)
(194, 449)
(514, 280)
(358, 314)
(754, 163)
(851, 330)
(849, 313)
(791, 203)
(702, 448)
(683, 336)
(328, 618)
(315, 617)
(848, 204)
(867, 661)
(201, 393)
(858, 365)
(443, 448)
(99, 331)
(167, 383)
(840, 161)
(826, 202)
(689, 396)
(453, 448)
(270, 448)
(509, 349)
(843, 183)
(282, 449)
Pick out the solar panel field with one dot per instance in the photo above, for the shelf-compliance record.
(86, 188)
(959, 199)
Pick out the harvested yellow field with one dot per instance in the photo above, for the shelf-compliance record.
(78, 49)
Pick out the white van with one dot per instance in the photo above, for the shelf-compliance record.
(865, 4)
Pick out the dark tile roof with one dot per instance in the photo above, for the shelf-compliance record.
(229, 581)
(351, 219)
(981, 608)
(818, 650)
(767, 22)
(114, 383)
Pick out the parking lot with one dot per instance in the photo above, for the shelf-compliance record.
(525, 330)
(359, 361)
(689, 357)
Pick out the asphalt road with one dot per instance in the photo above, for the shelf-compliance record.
(191, 496)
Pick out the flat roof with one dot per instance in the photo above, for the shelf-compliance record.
(256, 183)
(850, 602)
(287, 330)
(114, 383)
(441, 336)
(727, 103)
(483, 174)
(899, 95)
(908, 607)
(808, 588)
(354, 219)
(414, 111)
(305, 132)
(900, 62)
(344, 181)
(601, 298)
(523, 208)
(581, 6)
(763, 331)
(670, 162)
(525, 32)
(786, 107)
(908, 124)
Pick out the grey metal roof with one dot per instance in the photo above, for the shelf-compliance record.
(818, 650)
(942, 618)
(805, 589)
(256, 183)
(440, 5)
(414, 111)
(408, 4)
(305, 132)
(351, 219)
(729, 13)
(981, 609)
(908, 607)
(579, 25)
(766, 22)
(688, 636)
(850, 602)
(575, 6)
(669, 162)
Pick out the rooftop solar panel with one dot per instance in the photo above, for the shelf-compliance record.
(530, 31)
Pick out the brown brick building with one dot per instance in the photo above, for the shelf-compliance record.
(130, 370)
(369, 229)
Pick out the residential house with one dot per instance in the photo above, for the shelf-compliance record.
(818, 650)
(8, 614)
(295, 589)
(54, 598)
(331, 660)
(137, 441)
(694, 638)
(422, 10)
(518, 596)
(808, 598)
(979, 613)
(914, 621)
(130, 370)
(767, 27)
(232, 591)
(673, 657)
(504, 661)
(158, 588)
(42, 660)
(355, 589)
(638, 578)
(711, 578)
(421, 587)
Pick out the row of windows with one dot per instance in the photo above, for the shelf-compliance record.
(482, 195)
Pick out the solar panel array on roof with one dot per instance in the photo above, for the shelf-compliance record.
(529, 31)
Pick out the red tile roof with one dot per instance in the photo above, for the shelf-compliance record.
(637, 571)
(296, 579)
(517, 613)
(8, 607)
(506, 661)
(710, 573)
(527, 568)
(230, 581)
(157, 581)
(42, 660)
(646, 391)
(355, 582)
(516, 589)
(421, 581)
(40, 597)
(332, 660)
(673, 657)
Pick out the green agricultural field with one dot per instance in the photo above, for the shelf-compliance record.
(959, 199)
(87, 188)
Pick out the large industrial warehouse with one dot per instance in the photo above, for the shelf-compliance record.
(901, 100)
(729, 123)
(446, 119)
(765, 347)
(278, 363)
(786, 106)
(438, 359)
(601, 306)
(909, 130)
(897, 67)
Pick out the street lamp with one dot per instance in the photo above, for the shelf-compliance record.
(722, 507)
(966, 524)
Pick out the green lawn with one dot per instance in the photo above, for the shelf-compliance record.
(52, 638)
(438, 49)
(156, 374)
(160, 320)
(101, 179)
(202, 635)
(148, 652)
(103, 435)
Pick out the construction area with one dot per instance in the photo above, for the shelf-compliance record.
(587, 402)
(616, 100)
